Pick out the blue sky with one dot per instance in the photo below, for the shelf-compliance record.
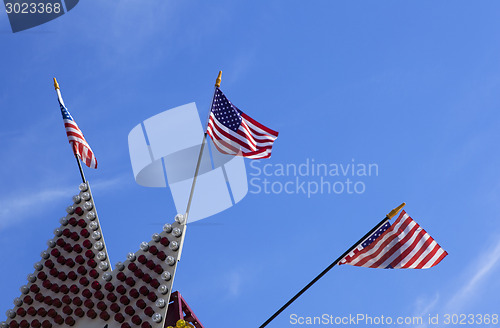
(409, 86)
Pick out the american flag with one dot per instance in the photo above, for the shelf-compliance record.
(403, 245)
(235, 133)
(76, 139)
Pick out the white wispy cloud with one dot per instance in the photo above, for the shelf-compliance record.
(424, 306)
(474, 282)
(487, 264)
(237, 278)
(18, 208)
(109, 183)
(234, 281)
(20, 205)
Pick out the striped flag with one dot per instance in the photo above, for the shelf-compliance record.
(235, 133)
(76, 139)
(403, 245)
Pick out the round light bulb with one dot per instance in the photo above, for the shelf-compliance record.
(70, 209)
(180, 323)
(99, 245)
(131, 257)
(83, 186)
(166, 276)
(31, 277)
(88, 206)
(157, 317)
(160, 303)
(101, 256)
(24, 289)
(58, 232)
(91, 216)
(163, 289)
(93, 225)
(77, 199)
(11, 314)
(106, 276)
(120, 266)
(51, 243)
(167, 227)
(45, 255)
(96, 235)
(38, 266)
(144, 246)
(179, 218)
(103, 266)
(177, 232)
(174, 246)
(86, 196)
(170, 260)
(156, 237)
(64, 221)
(18, 301)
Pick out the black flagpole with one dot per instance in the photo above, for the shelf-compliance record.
(81, 170)
(334, 263)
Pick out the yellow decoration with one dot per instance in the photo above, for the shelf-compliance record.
(181, 324)
(219, 79)
(56, 85)
(395, 211)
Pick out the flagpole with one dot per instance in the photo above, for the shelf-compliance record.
(217, 85)
(81, 170)
(334, 263)
(56, 87)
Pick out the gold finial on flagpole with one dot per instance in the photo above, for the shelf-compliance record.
(219, 79)
(395, 211)
(56, 85)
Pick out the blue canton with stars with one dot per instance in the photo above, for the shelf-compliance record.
(225, 112)
(65, 114)
(376, 234)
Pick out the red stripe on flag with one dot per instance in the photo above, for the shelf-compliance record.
(257, 124)
(428, 257)
(397, 246)
(409, 249)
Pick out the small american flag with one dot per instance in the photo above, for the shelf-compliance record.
(235, 133)
(403, 245)
(76, 139)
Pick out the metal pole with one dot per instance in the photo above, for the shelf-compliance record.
(195, 176)
(334, 263)
(217, 84)
(80, 168)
